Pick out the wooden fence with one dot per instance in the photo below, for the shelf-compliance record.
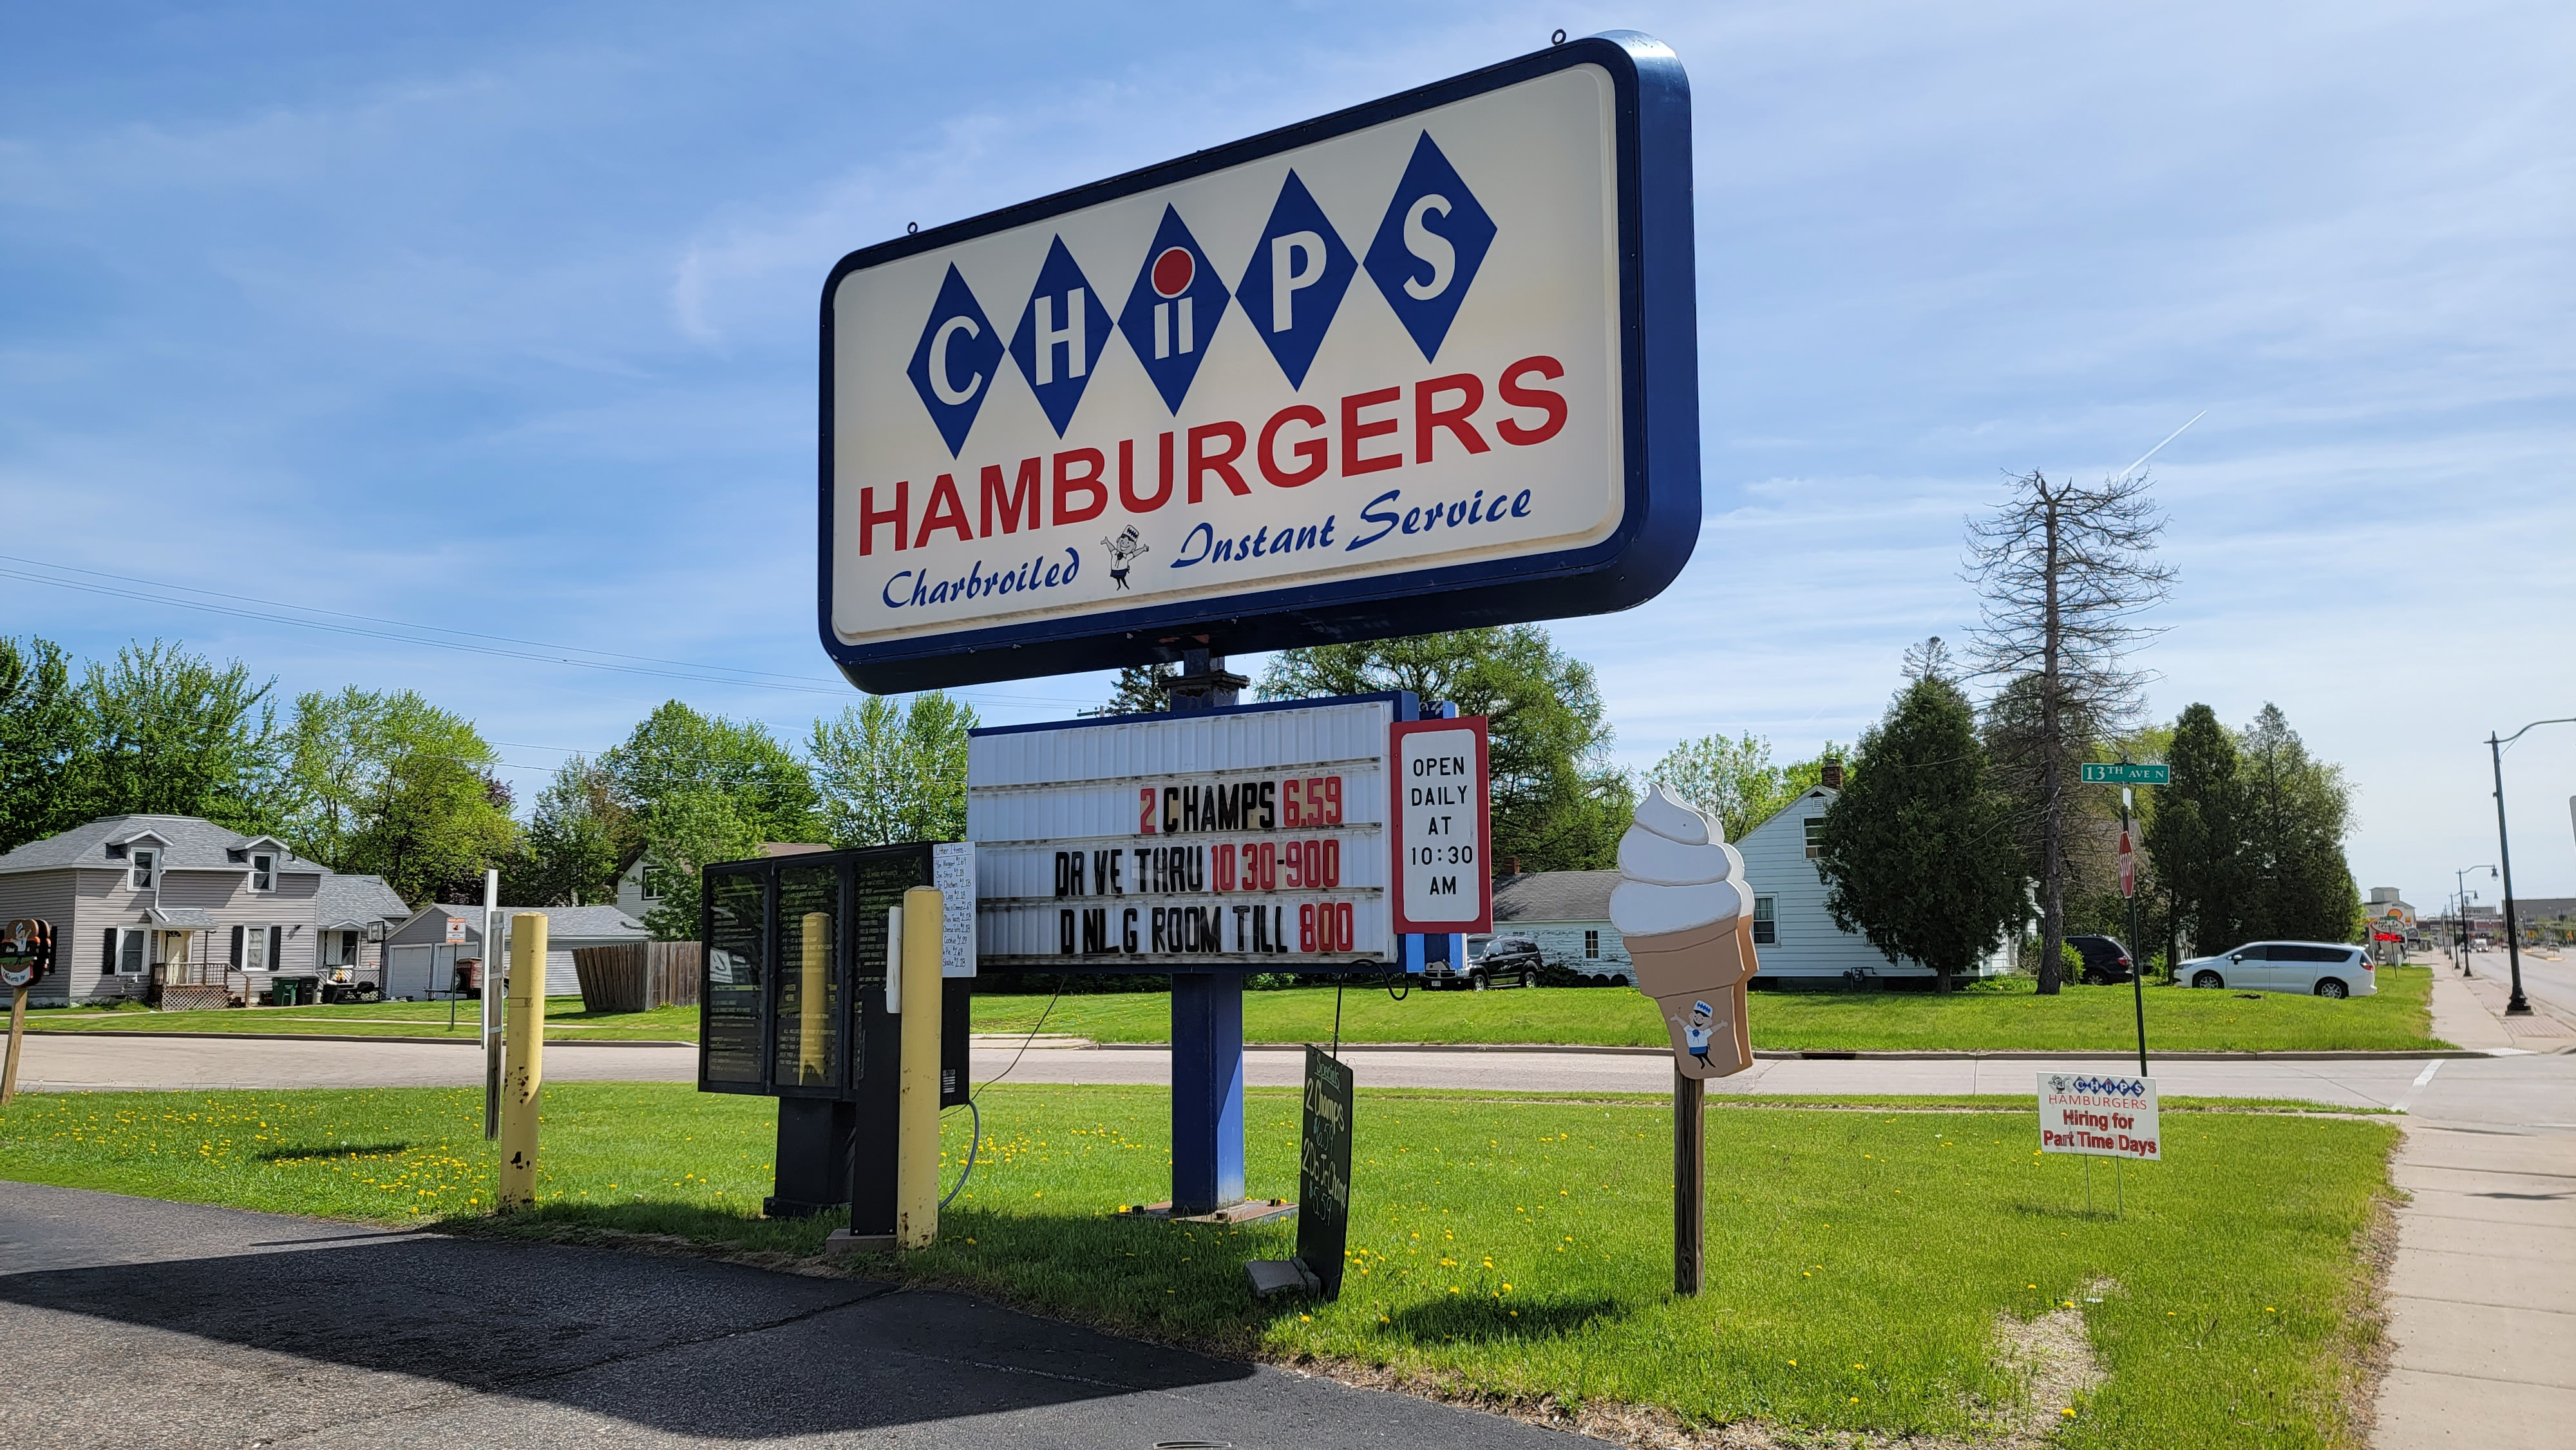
(640, 976)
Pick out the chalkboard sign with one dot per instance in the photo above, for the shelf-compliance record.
(1324, 1170)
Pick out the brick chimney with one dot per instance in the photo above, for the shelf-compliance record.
(1516, 865)
(1833, 773)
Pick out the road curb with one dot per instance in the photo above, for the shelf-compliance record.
(551, 1042)
(1798, 1055)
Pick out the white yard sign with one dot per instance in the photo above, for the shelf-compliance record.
(1171, 842)
(2098, 1114)
(1442, 810)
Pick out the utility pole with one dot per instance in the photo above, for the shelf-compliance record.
(2516, 1005)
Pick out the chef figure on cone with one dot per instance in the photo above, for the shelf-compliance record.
(1687, 917)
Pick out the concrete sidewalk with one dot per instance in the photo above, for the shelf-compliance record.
(2482, 1298)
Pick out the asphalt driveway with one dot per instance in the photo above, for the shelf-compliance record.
(137, 1322)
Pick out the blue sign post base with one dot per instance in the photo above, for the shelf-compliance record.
(1207, 1091)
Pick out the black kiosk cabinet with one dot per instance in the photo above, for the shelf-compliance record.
(794, 1007)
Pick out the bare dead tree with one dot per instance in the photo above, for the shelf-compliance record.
(2064, 571)
(1929, 660)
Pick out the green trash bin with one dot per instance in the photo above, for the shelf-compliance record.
(283, 991)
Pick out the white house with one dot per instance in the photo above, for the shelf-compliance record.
(1568, 912)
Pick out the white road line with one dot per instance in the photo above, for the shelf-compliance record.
(2421, 1078)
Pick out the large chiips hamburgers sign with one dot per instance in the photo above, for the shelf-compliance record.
(1421, 364)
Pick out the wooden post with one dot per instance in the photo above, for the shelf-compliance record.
(17, 1034)
(1690, 1162)
(525, 1061)
(916, 1156)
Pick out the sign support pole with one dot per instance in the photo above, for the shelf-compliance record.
(17, 1034)
(2137, 953)
(490, 1007)
(1690, 1163)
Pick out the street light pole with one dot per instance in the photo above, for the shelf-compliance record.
(2517, 1005)
(2460, 914)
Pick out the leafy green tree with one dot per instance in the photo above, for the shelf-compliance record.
(2197, 833)
(2297, 811)
(1915, 848)
(165, 732)
(693, 828)
(40, 736)
(678, 752)
(386, 782)
(1736, 781)
(1140, 690)
(577, 837)
(1558, 803)
(891, 772)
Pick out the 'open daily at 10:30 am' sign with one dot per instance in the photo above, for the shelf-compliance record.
(1425, 363)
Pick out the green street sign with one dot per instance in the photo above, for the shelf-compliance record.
(2128, 775)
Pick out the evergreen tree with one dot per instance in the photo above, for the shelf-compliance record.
(1558, 803)
(2297, 810)
(1915, 850)
(2197, 833)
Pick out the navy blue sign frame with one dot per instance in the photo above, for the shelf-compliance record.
(1659, 366)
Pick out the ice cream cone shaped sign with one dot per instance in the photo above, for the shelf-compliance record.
(1687, 916)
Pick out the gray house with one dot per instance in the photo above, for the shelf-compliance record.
(1568, 914)
(421, 955)
(188, 913)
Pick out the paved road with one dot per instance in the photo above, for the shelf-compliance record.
(135, 1322)
(2549, 983)
(66, 1063)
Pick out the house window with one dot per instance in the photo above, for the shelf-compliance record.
(652, 879)
(340, 949)
(255, 948)
(263, 871)
(1766, 927)
(1592, 946)
(126, 952)
(145, 868)
(1815, 835)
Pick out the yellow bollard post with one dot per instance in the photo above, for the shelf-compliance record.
(523, 1061)
(916, 1172)
(812, 989)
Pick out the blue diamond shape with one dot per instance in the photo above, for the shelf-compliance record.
(1173, 309)
(1428, 248)
(954, 384)
(1061, 332)
(1294, 283)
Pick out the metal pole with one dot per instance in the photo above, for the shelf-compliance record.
(2516, 1005)
(490, 1007)
(1690, 1197)
(2137, 956)
(527, 1061)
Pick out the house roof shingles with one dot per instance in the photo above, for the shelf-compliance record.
(189, 844)
(1554, 896)
(345, 899)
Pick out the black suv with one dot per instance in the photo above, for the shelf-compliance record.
(1499, 961)
(2106, 962)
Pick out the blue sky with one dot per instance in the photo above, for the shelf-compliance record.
(500, 319)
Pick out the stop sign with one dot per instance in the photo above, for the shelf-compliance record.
(2128, 867)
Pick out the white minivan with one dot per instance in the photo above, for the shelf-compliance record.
(2319, 968)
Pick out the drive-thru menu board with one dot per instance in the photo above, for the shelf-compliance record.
(1189, 842)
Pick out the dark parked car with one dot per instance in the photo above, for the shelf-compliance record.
(1495, 962)
(2105, 961)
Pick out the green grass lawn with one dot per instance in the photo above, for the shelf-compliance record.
(564, 1018)
(1994, 1016)
(1861, 1261)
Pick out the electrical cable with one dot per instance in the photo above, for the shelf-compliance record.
(977, 1112)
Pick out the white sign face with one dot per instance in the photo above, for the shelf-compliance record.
(1184, 841)
(456, 931)
(952, 870)
(1444, 883)
(2107, 1117)
(1392, 349)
